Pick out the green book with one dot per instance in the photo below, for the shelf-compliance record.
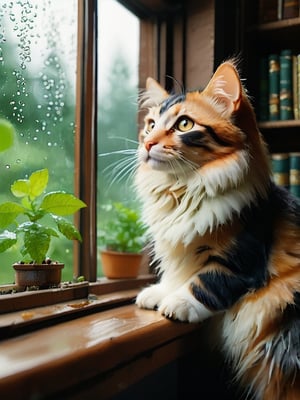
(281, 169)
(274, 68)
(286, 85)
(295, 174)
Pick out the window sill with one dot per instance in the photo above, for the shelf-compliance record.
(101, 353)
(27, 311)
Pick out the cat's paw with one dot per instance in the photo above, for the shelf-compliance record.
(183, 306)
(150, 297)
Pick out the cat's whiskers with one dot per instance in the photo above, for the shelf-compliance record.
(124, 169)
(186, 166)
(121, 168)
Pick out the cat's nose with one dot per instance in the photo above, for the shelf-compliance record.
(149, 145)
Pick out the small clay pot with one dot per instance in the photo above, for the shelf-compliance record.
(118, 265)
(43, 275)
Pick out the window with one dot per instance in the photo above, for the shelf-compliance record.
(117, 106)
(48, 69)
(38, 56)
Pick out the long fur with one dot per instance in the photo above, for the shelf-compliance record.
(225, 238)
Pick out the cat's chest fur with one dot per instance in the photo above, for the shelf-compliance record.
(180, 209)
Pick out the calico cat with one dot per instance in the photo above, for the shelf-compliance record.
(225, 237)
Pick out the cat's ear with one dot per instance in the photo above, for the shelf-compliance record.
(154, 93)
(225, 89)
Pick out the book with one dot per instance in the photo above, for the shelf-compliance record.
(268, 11)
(274, 68)
(279, 9)
(281, 169)
(290, 9)
(286, 85)
(295, 87)
(294, 179)
(298, 84)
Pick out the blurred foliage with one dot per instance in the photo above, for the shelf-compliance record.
(41, 107)
(124, 231)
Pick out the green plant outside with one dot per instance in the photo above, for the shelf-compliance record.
(124, 231)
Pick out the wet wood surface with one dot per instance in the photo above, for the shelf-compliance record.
(99, 346)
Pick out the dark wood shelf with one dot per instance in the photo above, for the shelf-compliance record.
(295, 123)
(276, 25)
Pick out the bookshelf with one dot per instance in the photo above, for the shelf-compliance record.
(260, 40)
(265, 48)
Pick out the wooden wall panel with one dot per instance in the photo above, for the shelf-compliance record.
(200, 29)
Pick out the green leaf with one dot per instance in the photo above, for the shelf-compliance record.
(36, 240)
(36, 244)
(20, 188)
(7, 134)
(33, 226)
(60, 203)
(32, 187)
(38, 182)
(67, 229)
(8, 213)
(7, 240)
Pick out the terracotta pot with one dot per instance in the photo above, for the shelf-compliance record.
(117, 265)
(42, 275)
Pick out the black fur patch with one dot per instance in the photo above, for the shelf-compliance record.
(199, 138)
(247, 260)
(215, 136)
(221, 290)
(194, 139)
(171, 101)
(247, 270)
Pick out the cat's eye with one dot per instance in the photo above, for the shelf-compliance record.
(184, 124)
(149, 126)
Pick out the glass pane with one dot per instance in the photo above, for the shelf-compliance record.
(38, 41)
(117, 105)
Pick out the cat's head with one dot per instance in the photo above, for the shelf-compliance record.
(199, 130)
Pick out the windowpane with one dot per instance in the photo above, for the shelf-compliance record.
(38, 45)
(117, 110)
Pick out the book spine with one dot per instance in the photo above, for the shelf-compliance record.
(263, 101)
(295, 174)
(279, 9)
(286, 85)
(268, 10)
(298, 83)
(274, 68)
(290, 9)
(281, 169)
(295, 87)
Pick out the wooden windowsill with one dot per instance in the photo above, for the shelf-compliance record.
(69, 292)
(100, 353)
(27, 311)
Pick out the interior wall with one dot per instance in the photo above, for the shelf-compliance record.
(200, 29)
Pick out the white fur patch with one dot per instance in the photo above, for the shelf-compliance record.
(179, 304)
(210, 198)
(183, 306)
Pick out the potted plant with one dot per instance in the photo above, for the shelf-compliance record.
(31, 222)
(122, 239)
